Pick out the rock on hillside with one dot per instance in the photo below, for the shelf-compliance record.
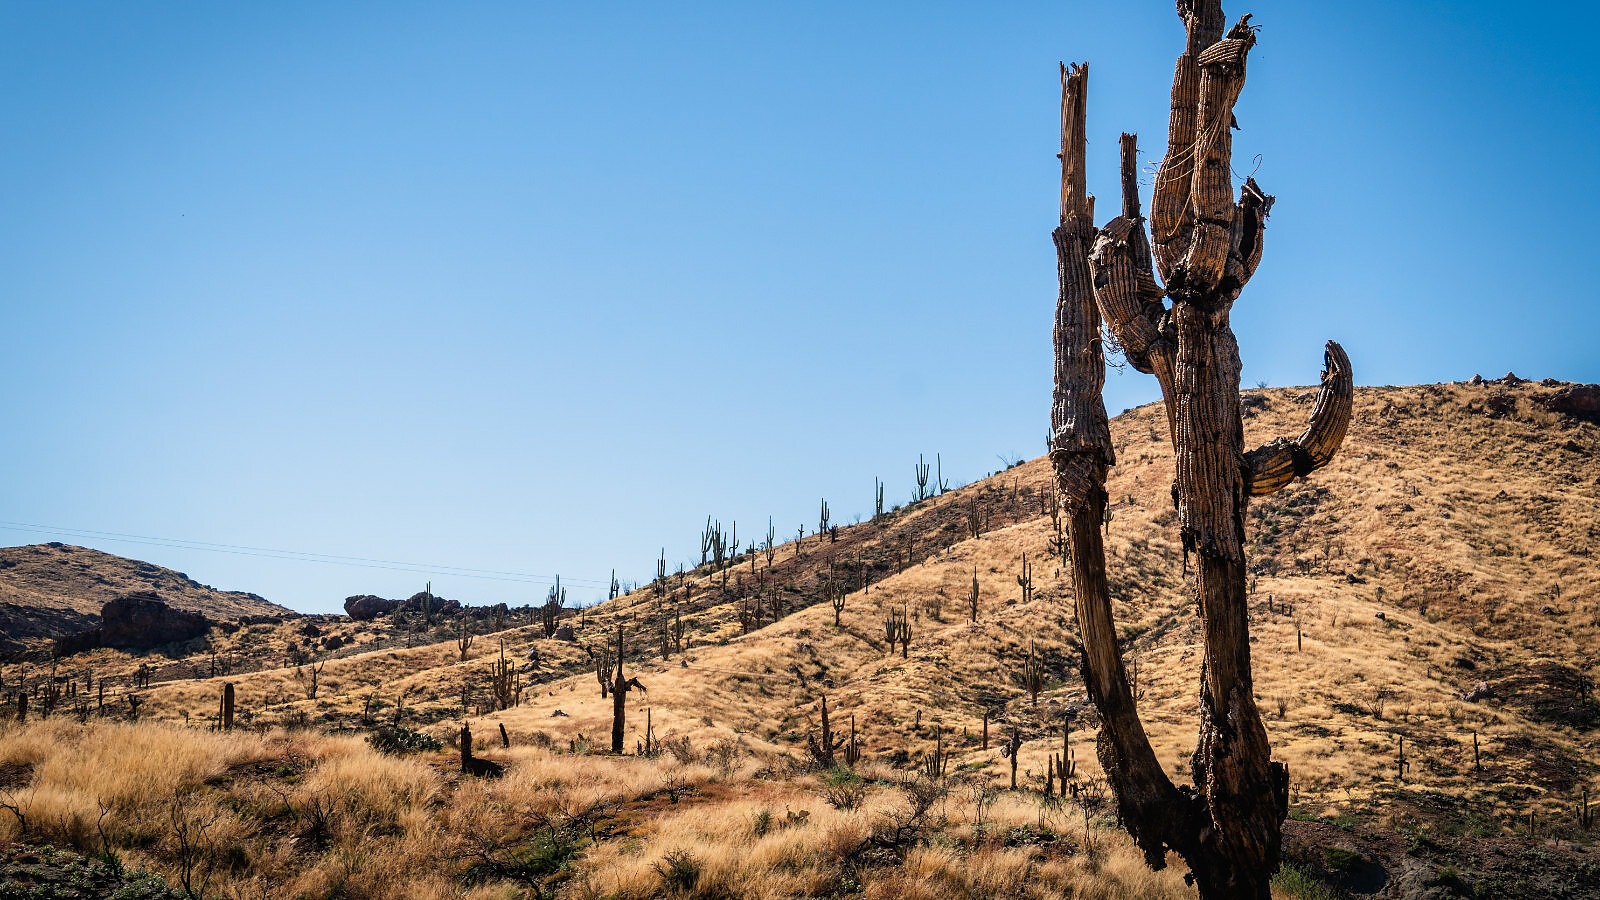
(50, 591)
(137, 621)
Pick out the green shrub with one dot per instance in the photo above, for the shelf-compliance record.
(398, 739)
(1295, 882)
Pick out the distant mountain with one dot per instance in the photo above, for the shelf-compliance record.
(51, 590)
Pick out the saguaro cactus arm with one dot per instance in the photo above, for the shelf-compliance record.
(1273, 465)
(1125, 288)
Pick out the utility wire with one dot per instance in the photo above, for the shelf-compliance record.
(301, 556)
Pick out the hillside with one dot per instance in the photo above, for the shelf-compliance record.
(1431, 592)
(52, 590)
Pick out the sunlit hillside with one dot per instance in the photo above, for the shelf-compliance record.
(1425, 623)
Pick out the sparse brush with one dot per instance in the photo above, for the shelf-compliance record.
(843, 788)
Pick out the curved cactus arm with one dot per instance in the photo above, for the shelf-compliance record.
(1249, 227)
(1270, 467)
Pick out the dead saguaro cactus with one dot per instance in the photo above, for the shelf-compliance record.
(504, 681)
(620, 685)
(897, 629)
(825, 747)
(225, 718)
(937, 763)
(852, 749)
(1205, 246)
(550, 610)
(315, 668)
(972, 598)
(1031, 673)
(471, 765)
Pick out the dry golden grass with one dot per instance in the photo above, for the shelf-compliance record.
(311, 815)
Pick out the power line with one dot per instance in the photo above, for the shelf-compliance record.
(302, 555)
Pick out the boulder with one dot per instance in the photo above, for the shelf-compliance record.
(437, 604)
(143, 619)
(1581, 401)
(366, 606)
(564, 633)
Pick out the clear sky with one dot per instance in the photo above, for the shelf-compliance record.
(534, 288)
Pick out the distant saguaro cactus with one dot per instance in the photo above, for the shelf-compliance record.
(972, 597)
(315, 668)
(921, 472)
(897, 628)
(503, 684)
(936, 763)
(852, 749)
(1228, 828)
(225, 717)
(1031, 673)
(836, 597)
(620, 686)
(550, 611)
(825, 746)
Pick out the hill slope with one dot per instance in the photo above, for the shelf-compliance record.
(51, 590)
(1425, 619)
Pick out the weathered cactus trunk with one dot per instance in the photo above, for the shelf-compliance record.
(1206, 246)
(619, 697)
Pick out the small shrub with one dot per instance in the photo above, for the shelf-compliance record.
(398, 739)
(1294, 882)
(679, 870)
(681, 749)
(843, 788)
(1339, 859)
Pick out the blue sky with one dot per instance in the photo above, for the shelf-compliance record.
(534, 288)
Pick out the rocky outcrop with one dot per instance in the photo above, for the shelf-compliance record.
(1581, 401)
(367, 606)
(137, 621)
(143, 619)
(437, 605)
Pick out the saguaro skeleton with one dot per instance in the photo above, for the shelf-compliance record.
(1206, 245)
